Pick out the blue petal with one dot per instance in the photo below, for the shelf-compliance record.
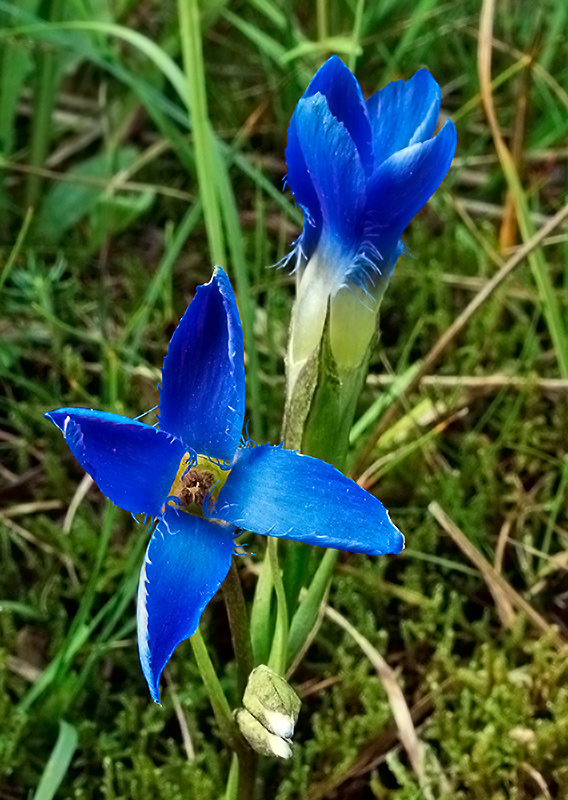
(278, 492)
(403, 113)
(405, 182)
(132, 463)
(303, 190)
(346, 102)
(334, 166)
(186, 562)
(203, 381)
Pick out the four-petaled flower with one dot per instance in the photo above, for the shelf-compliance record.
(192, 476)
(360, 171)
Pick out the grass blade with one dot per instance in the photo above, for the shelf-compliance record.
(204, 144)
(58, 763)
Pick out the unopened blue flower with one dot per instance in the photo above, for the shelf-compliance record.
(202, 482)
(360, 171)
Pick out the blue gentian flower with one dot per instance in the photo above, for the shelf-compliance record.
(202, 482)
(360, 171)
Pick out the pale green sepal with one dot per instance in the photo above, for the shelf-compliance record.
(260, 739)
(352, 326)
(298, 403)
(320, 427)
(309, 315)
(333, 405)
(272, 701)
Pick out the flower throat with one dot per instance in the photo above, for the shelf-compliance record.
(196, 482)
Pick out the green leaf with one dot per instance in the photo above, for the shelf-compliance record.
(67, 203)
(114, 213)
(58, 763)
(306, 617)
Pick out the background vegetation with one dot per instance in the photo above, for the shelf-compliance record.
(114, 207)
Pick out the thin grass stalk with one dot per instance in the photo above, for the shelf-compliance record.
(15, 251)
(219, 704)
(321, 20)
(78, 632)
(135, 325)
(44, 103)
(58, 762)
(246, 303)
(356, 35)
(192, 53)
(538, 265)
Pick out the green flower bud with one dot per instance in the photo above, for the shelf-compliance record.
(270, 713)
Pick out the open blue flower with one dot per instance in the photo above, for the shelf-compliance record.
(196, 476)
(360, 171)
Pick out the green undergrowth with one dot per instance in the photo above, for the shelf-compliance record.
(92, 283)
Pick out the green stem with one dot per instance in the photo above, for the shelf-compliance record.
(221, 709)
(239, 626)
(260, 615)
(321, 14)
(306, 617)
(248, 761)
(233, 780)
(277, 659)
(227, 725)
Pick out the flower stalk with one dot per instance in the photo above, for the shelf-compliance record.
(239, 625)
(359, 170)
(242, 774)
(221, 709)
(277, 659)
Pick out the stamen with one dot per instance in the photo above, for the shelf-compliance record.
(144, 413)
(195, 488)
(197, 484)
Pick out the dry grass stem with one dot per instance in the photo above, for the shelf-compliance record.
(457, 326)
(496, 584)
(387, 676)
(28, 537)
(24, 509)
(183, 726)
(97, 183)
(77, 499)
(502, 541)
(481, 383)
(492, 211)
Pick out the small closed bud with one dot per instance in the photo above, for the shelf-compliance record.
(270, 713)
(260, 738)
